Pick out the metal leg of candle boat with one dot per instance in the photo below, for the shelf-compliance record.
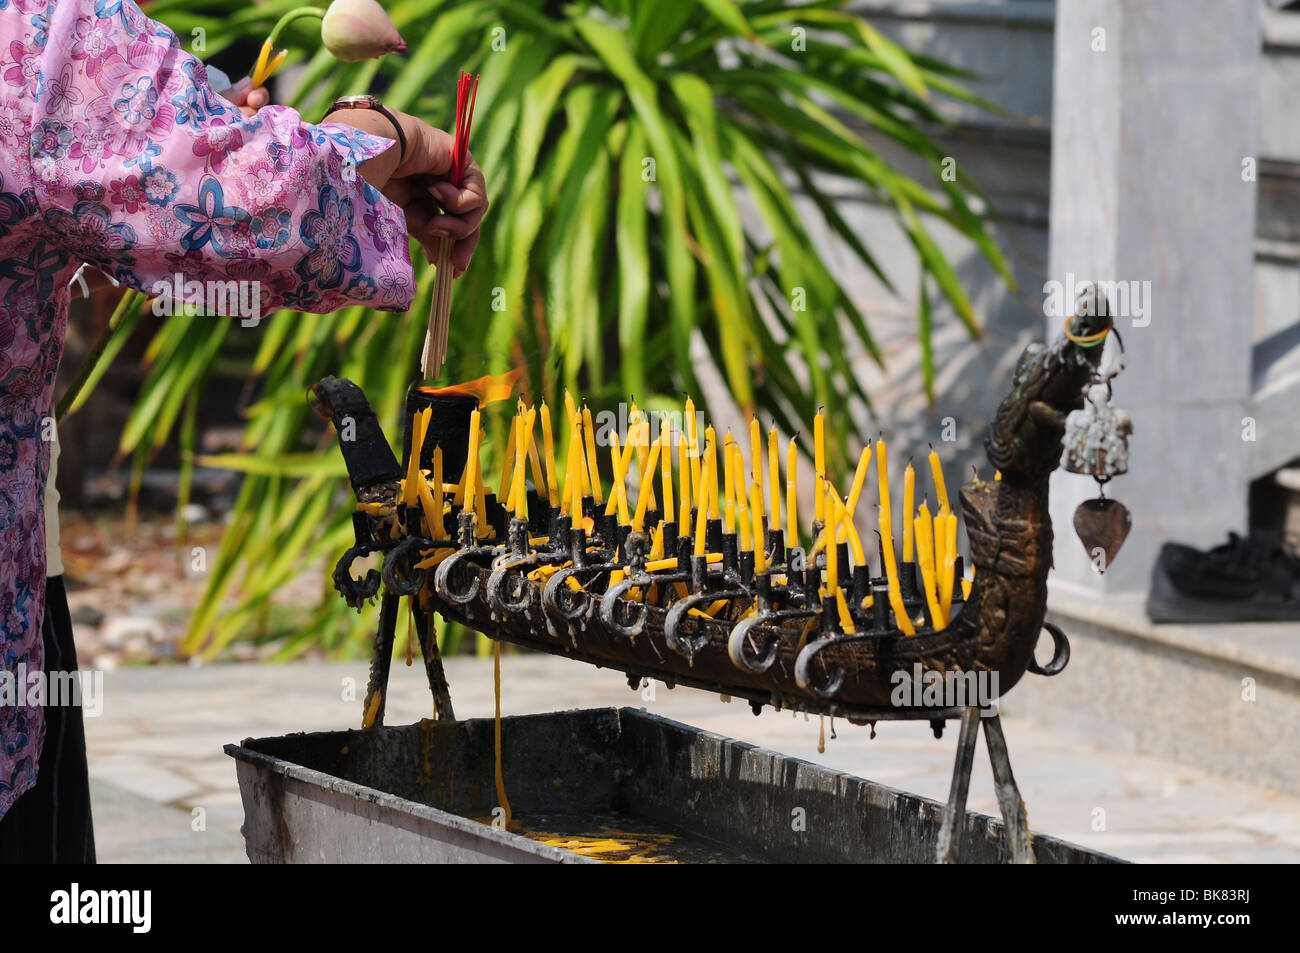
(1014, 817)
(954, 812)
(382, 659)
(438, 686)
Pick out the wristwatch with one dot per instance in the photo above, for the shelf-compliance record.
(370, 102)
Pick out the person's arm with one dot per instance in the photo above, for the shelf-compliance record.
(146, 173)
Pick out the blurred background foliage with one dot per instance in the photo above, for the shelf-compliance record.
(618, 140)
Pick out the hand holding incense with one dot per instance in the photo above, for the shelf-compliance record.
(435, 339)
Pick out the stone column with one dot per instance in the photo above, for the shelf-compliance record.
(1155, 108)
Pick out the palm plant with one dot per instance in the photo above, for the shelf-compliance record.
(616, 137)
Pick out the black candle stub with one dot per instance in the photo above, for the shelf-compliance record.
(1103, 525)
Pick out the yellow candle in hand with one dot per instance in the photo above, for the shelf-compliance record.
(909, 507)
(589, 434)
(792, 492)
(819, 467)
(548, 438)
(940, 488)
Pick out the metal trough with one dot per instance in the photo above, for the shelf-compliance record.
(607, 784)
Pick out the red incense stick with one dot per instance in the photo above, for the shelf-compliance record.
(435, 339)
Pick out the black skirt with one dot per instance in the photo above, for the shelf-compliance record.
(50, 823)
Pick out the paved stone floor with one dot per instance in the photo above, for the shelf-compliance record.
(163, 790)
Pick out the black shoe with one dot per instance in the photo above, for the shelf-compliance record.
(1248, 579)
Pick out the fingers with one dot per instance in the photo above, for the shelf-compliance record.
(471, 195)
(463, 252)
(258, 98)
(248, 100)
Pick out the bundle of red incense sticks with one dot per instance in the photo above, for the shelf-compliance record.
(435, 339)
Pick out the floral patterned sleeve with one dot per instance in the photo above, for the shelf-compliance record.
(141, 170)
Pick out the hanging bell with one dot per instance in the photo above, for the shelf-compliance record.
(1096, 444)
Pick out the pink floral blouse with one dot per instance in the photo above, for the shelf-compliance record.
(114, 151)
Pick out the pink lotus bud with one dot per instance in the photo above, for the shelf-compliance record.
(359, 30)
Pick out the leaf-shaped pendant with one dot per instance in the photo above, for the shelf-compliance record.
(1103, 525)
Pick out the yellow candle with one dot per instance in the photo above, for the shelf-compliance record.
(729, 485)
(949, 566)
(643, 454)
(432, 512)
(701, 499)
(774, 476)
(925, 557)
(684, 474)
(438, 528)
(539, 478)
(666, 439)
(891, 573)
(909, 508)
(940, 488)
(692, 439)
(480, 503)
(939, 540)
(846, 617)
(756, 515)
(410, 492)
(505, 485)
(569, 479)
(819, 466)
(617, 464)
(832, 550)
(742, 505)
(647, 488)
(711, 470)
(548, 438)
(756, 468)
(593, 464)
(859, 479)
(468, 483)
(882, 471)
(575, 505)
(521, 463)
(571, 409)
(792, 492)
